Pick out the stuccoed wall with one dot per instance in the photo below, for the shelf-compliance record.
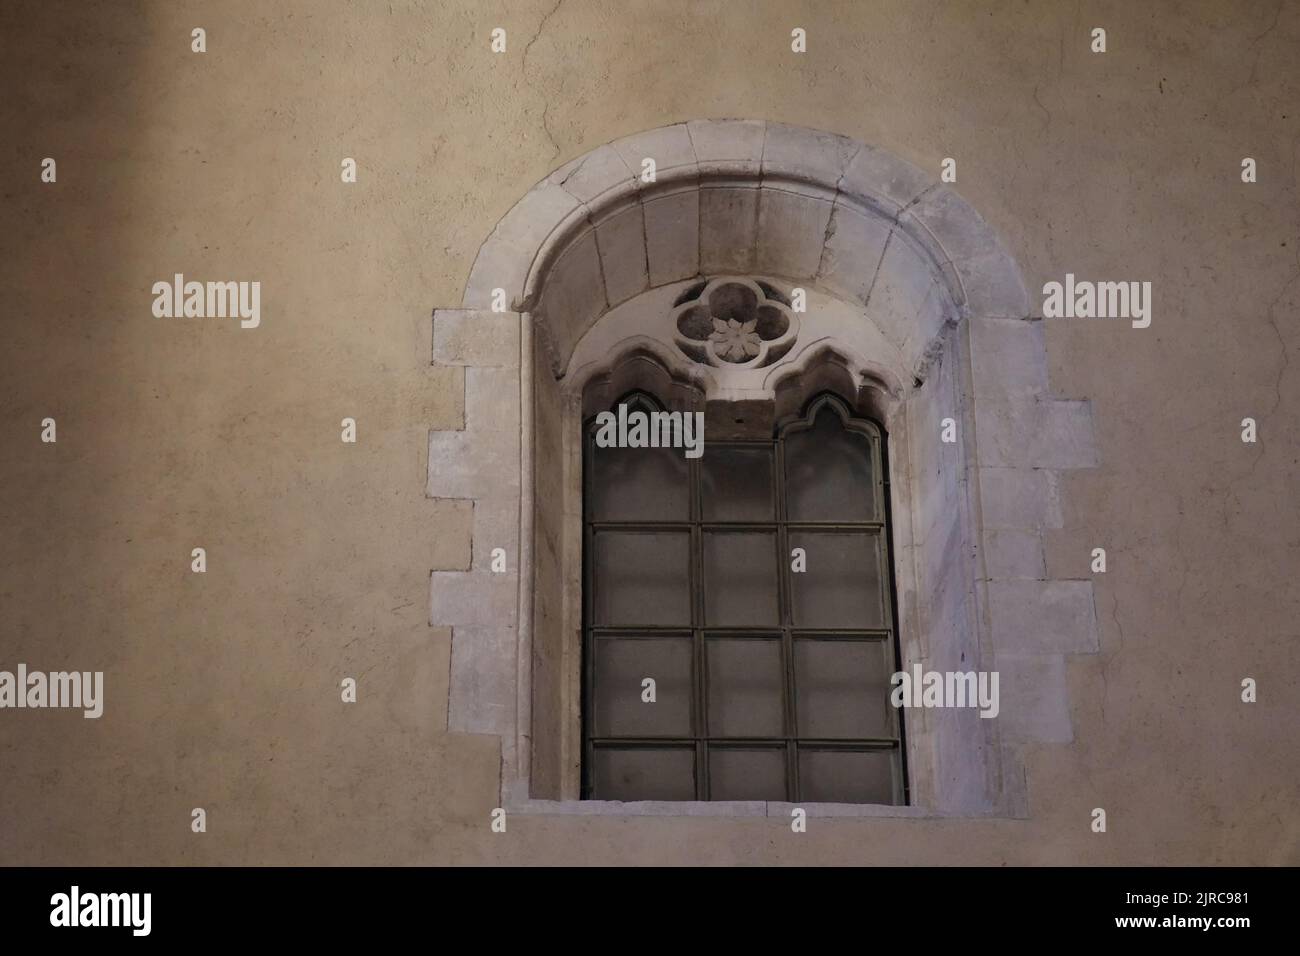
(222, 689)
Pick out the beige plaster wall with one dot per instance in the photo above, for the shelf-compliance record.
(222, 688)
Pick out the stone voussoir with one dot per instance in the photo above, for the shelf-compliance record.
(806, 155)
(728, 147)
(669, 146)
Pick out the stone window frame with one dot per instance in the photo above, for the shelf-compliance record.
(913, 302)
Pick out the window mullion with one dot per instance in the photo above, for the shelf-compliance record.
(787, 639)
(699, 716)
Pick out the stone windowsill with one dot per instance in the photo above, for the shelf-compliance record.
(732, 809)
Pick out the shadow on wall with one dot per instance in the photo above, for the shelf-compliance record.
(70, 248)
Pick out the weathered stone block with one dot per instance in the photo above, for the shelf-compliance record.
(482, 459)
(461, 461)
(500, 264)
(537, 215)
(669, 146)
(994, 286)
(482, 699)
(728, 229)
(1008, 358)
(733, 145)
(672, 233)
(591, 176)
(1027, 433)
(791, 231)
(852, 252)
(1034, 695)
(1047, 616)
(476, 337)
(492, 401)
(883, 180)
(806, 154)
(496, 525)
(575, 291)
(951, 224)
(1024, 498)
(907, 302)
(473, 597)
(620, 240)
(1013, 553)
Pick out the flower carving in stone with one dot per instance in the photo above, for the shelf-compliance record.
(733, 341)
(732, 321)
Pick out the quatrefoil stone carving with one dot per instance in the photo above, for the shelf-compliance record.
(734, 322)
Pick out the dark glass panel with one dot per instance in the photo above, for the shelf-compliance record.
(841, 585)
(845, 776)
(746, 774)
(740, 585)
(644, 773)
(622, 664)
(642, 578)
(745, 687)
(829, 473)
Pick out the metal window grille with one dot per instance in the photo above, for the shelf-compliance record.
(770, 683)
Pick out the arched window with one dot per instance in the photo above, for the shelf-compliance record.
(763, 266)
(738, 625)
